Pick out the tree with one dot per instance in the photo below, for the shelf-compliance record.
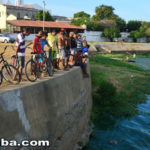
(39, 15)
(80, 21)
(136, 34)
(81, 14)
(120, 23)
(133, 25)
(103, 12)
(94, 26)
(111, 33)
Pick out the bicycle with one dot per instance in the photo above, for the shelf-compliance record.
(8, 71)
(33, 69)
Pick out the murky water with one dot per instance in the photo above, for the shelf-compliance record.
(124, 134)
(143, 62)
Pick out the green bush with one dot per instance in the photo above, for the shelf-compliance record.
(93, 26)
(111, 33)
(133, 25)
(106, 94)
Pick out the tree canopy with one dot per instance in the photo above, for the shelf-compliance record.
(111, 33)
(39, 15)
(103, 12)
(81, 14)
(133, 25)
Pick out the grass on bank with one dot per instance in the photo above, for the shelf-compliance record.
(117, 87)
(123, 56)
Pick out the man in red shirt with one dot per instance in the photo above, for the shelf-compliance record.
(37, 44)
(37, 48)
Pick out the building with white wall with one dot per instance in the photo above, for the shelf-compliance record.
(10, 12)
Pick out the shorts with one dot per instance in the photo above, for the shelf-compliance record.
(73, 51)
(21, 62)
(57, 56)
(54, 55)
(80, 64)
(67, 52)
(41, 58)
(62, 53)
(78, 49)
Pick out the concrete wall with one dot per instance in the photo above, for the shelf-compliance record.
(56, 109)
(121, 47)
(95, 36)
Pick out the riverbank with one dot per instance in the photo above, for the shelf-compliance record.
(119, 115)
(118, 87)
(120, 47)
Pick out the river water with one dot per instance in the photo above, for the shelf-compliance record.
(124, 133)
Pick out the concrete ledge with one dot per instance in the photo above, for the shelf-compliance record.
(56, 109)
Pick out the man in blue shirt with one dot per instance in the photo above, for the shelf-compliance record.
(44, 42)
(85, 49)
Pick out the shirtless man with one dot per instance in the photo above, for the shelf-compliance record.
(61, 47)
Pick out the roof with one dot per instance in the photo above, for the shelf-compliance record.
(48, 24)
(27, 6)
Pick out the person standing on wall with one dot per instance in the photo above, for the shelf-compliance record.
(37, 48)
(61, 47)
(67, 49)
(20, 51)
(53, 42)
(73, 47)
(84, 41)
(79, 43)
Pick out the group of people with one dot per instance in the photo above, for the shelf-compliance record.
(65, 49)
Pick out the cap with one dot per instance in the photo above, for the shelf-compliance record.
(62, 29)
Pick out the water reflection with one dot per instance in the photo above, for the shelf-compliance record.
(143, 62)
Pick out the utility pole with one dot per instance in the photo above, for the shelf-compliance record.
(44, 4)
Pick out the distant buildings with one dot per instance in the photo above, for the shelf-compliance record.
(10, 12)
(14, 18)
(35, 26)
(62, 19)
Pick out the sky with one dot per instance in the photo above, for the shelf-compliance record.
(126, 9)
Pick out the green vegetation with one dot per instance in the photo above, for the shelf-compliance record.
(39, 15)
(105, 17)
(133, 25)
(81, 14)
(102, 12)
(143, 31)
(111, 33)
(117, 87)
(81, 18)
(123, 56)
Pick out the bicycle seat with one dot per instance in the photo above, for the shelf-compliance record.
(13, 56)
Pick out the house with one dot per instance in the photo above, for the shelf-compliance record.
(11, 12)
(35, 26)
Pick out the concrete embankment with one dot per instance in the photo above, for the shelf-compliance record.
(120, 47)
(56, 109)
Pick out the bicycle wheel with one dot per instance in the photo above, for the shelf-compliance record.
(1, 78)
(31, 70)
(49, 67)
(11, 74)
